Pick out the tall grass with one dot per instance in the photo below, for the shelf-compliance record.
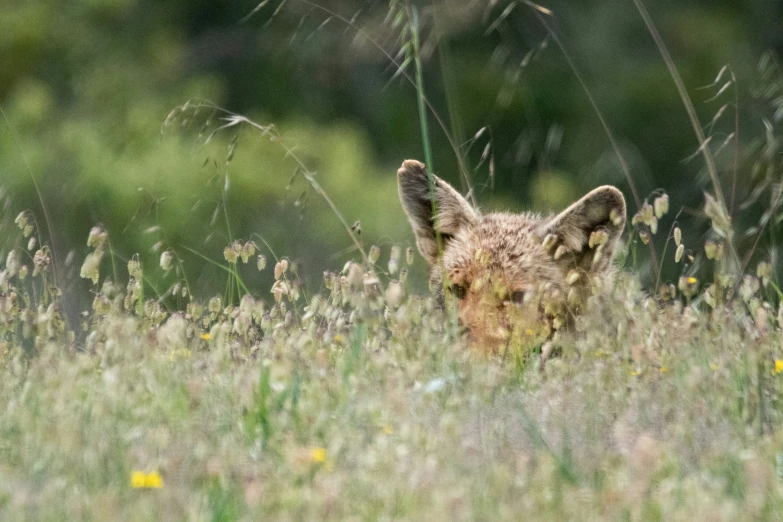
(357, 400)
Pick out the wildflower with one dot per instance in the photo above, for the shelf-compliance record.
(688, 285)
(318, 455)
(206, 336)
(714, 367)
(388, 430)
(141, 480)
(635, 373)
(778, 367)
(663, 369)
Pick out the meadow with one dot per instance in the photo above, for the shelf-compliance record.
(362, 402)
(177, 365)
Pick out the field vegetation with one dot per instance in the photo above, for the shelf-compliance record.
(226, 378)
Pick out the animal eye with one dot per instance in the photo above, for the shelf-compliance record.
(458, 291)
(518, 297)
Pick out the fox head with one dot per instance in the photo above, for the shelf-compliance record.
(513, 277)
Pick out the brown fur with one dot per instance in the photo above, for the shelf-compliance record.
(514, 276)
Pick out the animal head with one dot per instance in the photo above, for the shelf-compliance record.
(512, 276)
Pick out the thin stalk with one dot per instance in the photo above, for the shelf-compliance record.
(361, 32)
(607, 130)
(425, 133)
(18, 141)
(686, 100)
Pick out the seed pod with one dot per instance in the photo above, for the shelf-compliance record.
(677, 236)
(261, 262)
(134, 269)
(165, 259)
(616, 218)
(230, 254)
(646, 213)
(654, 225)
(661, 205)
(280, 268)
(374, 255)
(394, 259)
(97, 237)
(679, 253)
(598, 237)
(409, 256)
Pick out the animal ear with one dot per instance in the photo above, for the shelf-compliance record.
(454, 213)
(584, 235)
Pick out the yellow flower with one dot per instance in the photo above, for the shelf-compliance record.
(692, 280)
(778, 367)
(664, 369)
(530, 332)
(318, 455)
(138, 479)
(635, 373)
(713, 367)
(205, 336)
(388, 430)
(141, 480)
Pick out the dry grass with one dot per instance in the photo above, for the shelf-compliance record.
(362, 403)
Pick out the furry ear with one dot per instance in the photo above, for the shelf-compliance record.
(584, 235)
(454, 213)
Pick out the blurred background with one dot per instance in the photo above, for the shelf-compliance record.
(90, 89)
